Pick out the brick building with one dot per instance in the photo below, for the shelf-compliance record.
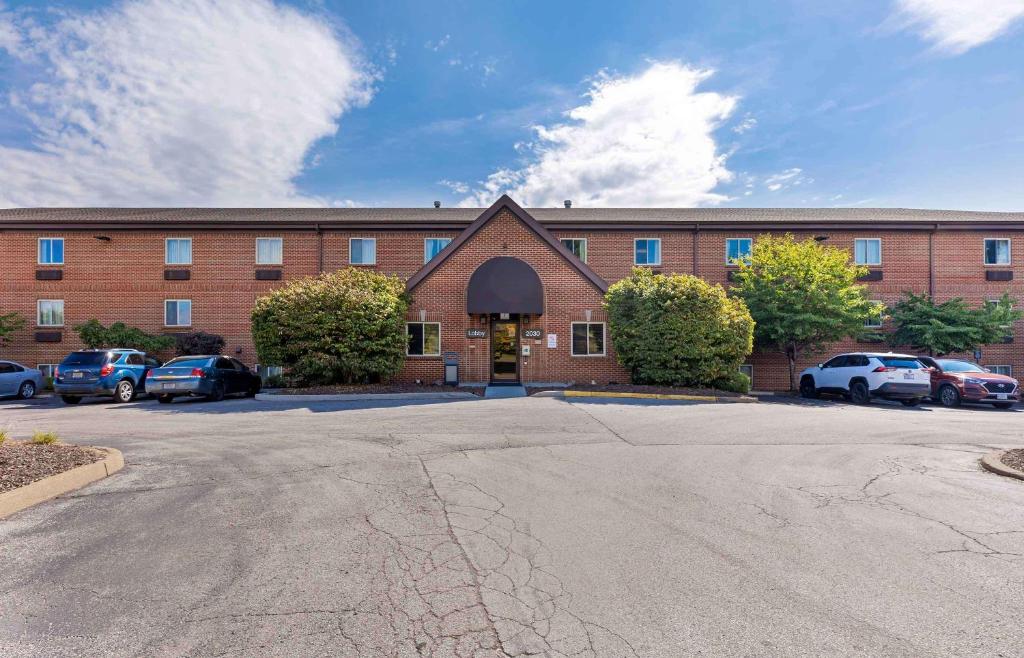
(516, 294)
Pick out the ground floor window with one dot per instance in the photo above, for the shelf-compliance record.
(424, 338)
(178, 312)
(874, 320)
(1002, 370)
(588, 339)
(748, 370)
(46, 369)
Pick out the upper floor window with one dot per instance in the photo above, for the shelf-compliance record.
(434, 246)
(867, 251)
(738, 249)
(178, 251)
(577, 247)
(424, 338)
(51, 251)
(269, 251)
(647, 251)
(362, 251)
(178, 312)
(997, 251)
(50, 312)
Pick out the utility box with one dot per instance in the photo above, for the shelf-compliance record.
(451, 368)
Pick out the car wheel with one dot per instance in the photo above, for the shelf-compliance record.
(859, 393)
(70, 399)
(949, 396)
(807, 389)
(165, 399)
(218, 393)
(253, 390)
(1002, 405)
(125, 391)
(910, 403)
(27, 390)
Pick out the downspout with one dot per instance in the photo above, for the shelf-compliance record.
(320, 248)
(696, 241)
(931, 262)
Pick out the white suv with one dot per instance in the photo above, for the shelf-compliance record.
(864, 375)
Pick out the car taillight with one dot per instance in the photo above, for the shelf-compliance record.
(56, 372)
(106, 370)
(198, 372)
(883, 369)
(149, 371)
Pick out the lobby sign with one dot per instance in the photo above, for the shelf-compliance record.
(476, 333)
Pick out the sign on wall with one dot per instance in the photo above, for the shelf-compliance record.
(476, 333)
(531, 333)
(552, 340)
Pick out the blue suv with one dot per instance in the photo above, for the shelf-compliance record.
(120, 373)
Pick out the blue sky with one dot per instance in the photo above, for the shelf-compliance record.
(914, 103)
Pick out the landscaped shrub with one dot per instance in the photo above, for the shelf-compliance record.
(678, 330)
(341, 327)
(44, 438)
(276, 381)
(96, 336)
(3, 437)
(198, 342)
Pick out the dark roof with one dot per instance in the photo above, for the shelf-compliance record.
(458, 218)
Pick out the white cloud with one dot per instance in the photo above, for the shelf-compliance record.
(439, 44)
(748, 123)
(641, 140)
(458, 187)
(179, 102)
(785, 179)
(956, 26)
(10, 40)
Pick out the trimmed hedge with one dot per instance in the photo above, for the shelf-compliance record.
(198, 342)
(679, 330)
(340, 327)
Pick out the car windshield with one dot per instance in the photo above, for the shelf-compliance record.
(187, 362)
(85, 359)
(949, 365)
(899, 362)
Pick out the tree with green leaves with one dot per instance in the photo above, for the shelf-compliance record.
(679, 330)
(952, 326)
(9, 323)
(96, 336)
(802, 295)
(339, 327)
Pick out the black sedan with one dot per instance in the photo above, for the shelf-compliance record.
(211, 377)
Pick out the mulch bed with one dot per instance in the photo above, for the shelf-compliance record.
(630, 388)
(1014, 458)
(24, 463)
(376, 388)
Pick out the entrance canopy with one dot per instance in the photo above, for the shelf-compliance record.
(505, 285)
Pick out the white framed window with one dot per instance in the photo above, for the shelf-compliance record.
(178, 251)
(51, 251)
(738, 249)
(1002, 370)
(362, 251)
(269, 251)
(647, 251)
(997, 251)
(874, 320)
(434, 246)
(867, 251)
(424, 338)
(46, 369)
(587, 339)
(50, 313)
(577, 247)
(178, 312)
(748, 370)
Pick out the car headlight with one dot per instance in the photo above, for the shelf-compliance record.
(972, 380)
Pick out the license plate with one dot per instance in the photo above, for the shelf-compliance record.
(1001, 396)
(76, 375)
(908, 375)
(168, 386)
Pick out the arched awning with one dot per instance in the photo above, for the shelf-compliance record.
(505, 285)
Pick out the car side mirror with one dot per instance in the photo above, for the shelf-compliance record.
(820, 365)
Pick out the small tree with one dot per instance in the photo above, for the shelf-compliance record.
(345, 326)
(198, 342)
(678, 330)
(952, 326)
(802, 295)
(9, 323)
(96, 336)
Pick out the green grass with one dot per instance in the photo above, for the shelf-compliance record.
(44, 438)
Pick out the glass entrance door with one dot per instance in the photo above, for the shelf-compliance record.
(505, 350)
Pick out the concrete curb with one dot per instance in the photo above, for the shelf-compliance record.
(717, 399)
(993, 462)
(61, 483)
(355, 397)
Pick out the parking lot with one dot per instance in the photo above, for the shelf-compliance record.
(521, 526)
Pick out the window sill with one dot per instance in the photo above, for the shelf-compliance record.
(362, 264)
(587, 356)
(49, 327)
(421, 357)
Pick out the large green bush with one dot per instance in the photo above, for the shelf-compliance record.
(95, 336)
(342, 327)
(678, 330)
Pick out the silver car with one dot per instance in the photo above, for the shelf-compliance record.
(19, 380)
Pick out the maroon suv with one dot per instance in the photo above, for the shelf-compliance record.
(954, 381)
